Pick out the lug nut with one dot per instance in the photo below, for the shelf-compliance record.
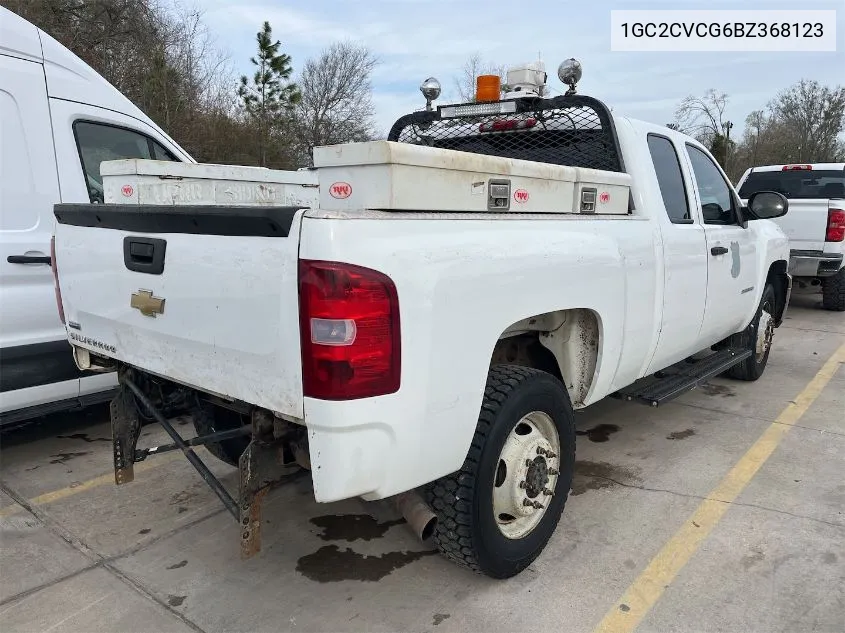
(550, 455)
(548, 492)
(541, 450)
(528, 462)
(528, 503)
(538, 505)
(523, 485)
(553, 471)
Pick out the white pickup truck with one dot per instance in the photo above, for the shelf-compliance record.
(426, 331)
(815, 225)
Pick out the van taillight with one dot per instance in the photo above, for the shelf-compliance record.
(56, 286)
(349, 331)
(835, 226)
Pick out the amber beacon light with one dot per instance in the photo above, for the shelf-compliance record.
(488, 88)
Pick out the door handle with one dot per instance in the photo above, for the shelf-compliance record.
(29, 259)
(718, 250)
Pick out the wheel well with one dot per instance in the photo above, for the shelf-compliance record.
(564, 343)
(777, 276)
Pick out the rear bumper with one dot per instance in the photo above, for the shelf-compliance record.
(814, 263)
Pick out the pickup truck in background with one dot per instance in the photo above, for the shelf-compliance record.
(815, 225)
(426, 331)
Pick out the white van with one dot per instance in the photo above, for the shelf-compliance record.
(58, 120)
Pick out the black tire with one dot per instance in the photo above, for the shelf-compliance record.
(466, 530)
(216, 419)
(833, 292)
(753, 367)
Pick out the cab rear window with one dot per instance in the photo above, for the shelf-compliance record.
(811, 185)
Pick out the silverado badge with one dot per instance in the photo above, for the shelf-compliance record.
(146, 303)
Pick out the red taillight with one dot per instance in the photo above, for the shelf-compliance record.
(503, 125)
(56, 286)
(835, 226)
(349, 331)
(797, 168)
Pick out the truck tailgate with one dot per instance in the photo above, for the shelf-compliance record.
(206, 296)
(805, 224)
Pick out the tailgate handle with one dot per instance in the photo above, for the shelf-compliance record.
(144, 254)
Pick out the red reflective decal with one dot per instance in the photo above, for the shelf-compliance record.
(127, 190)
(604, 197)
(340, 190)
(520, 195)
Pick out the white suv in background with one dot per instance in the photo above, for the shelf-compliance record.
(58, 120)
(815, 224)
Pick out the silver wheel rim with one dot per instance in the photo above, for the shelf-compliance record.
(526, 475)
(765, 333)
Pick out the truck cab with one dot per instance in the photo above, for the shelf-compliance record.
(58, 121)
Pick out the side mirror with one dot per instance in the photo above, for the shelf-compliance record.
(766, 205)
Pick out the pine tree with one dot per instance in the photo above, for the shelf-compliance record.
(270, 97)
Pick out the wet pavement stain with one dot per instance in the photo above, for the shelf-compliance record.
(352, 527)
(598, 476)
(178, 565)
(144, 531)
(680, 435)
(329, 564)
(829, 558)
(84, 437)
(184, 496)
(438, 618)
(599, 433)
(717, 390)
(62, 458)
(752, 559)
(175, 601)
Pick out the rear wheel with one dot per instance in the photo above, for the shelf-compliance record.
(757, 337)
(216, 419)
(833, 292)
(496, 514)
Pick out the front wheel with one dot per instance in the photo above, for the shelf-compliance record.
(496, 514)
(757, 337)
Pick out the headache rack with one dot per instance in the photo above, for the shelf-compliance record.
(572, 130)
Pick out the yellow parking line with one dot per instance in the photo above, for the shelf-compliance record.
(646, 590)
(69, 491)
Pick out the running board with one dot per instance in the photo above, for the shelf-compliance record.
(676, 380)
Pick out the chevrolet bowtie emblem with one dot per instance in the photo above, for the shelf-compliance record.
(146, 303)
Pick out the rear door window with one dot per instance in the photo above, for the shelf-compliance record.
(98, 142)
(670, 178)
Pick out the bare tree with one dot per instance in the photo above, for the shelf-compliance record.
(474, 66)
(815, 115)
(702, 117)
(336, 104)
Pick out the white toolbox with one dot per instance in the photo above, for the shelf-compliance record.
(384, 175)
(136, 181)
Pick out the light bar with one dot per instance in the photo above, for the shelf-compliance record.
(478, 109)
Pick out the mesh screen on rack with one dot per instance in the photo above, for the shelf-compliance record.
(575, 131)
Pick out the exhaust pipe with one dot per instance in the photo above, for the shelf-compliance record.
(420, 517)
(410, 505)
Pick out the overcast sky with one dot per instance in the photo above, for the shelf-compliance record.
(417, 38)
